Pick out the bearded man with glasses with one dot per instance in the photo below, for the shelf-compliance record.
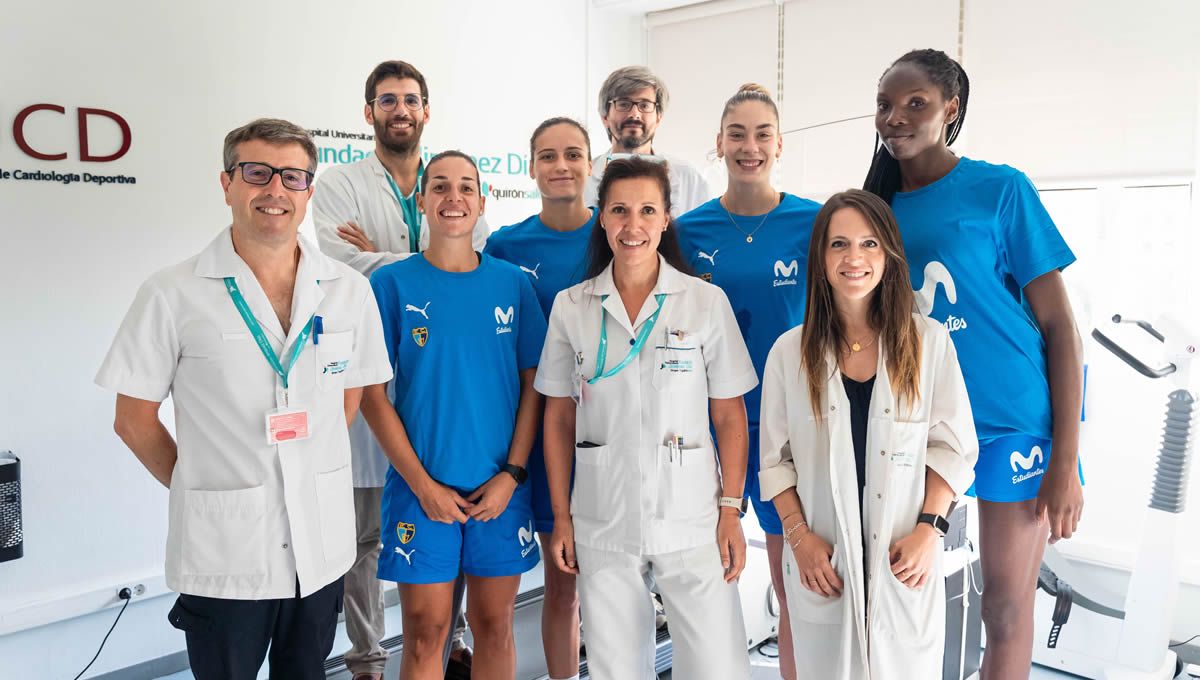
(264, 344)
(632, 103)
(365, 214)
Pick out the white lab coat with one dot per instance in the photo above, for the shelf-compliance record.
(629, 494)
(359, 192)
(689, 190)
(892, 631)
(248, 519)
(643, 512)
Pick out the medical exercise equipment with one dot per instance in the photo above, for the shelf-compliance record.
(1079, 634)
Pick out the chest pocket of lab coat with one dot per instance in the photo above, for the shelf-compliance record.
(334, 351)
(678, 364)
(906, 448)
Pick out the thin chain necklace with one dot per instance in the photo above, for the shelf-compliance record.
(856, 347)
(749, 236)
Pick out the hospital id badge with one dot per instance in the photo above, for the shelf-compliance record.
(287, 425)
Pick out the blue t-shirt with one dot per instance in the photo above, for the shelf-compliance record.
(764, 280)
(974, 239)
(553, 260)
(457, 342)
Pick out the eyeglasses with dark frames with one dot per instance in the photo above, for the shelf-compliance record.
(626, 105)
(388, 102)
(260, 174)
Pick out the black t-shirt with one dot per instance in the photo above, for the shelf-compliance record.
(859, 394)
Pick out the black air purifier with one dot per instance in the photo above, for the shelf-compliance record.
(12, 539)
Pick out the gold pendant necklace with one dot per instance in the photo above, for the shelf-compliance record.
(749, 236)
(858, 347)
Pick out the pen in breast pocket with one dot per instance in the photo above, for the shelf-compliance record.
(317, 329)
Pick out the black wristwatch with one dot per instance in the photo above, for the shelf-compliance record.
(518, 473)
(940, 524)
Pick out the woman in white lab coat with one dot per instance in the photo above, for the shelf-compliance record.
(867, 439)
(639, 359)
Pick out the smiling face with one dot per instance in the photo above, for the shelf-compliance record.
(633, 129)
(749, 141)
(398, 130)
(634, 217)
(450, 197)
(269, 213)
(854, 257)
(560, 162)
(911, 112)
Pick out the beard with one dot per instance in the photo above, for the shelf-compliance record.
(401, 147)
(629, 142)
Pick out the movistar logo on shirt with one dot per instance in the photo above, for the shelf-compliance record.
(504, 319)
(935, 274)
(785, 273)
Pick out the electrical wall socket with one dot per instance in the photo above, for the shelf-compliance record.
(137, 589)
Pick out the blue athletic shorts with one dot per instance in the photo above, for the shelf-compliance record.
(417, 549)
(1010, 468)
(539, 485)
(764, 511)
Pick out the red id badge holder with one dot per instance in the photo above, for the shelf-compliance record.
(286, 423)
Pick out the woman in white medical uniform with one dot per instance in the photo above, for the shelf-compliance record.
(867, 439)
(638, 360)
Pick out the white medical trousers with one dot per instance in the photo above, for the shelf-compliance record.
(704, 614)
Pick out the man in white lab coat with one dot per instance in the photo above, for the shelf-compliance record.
(264, 344)
(366, 215)
(632, 103)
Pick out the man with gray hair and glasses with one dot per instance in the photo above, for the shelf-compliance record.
(265, 344)
(632, 103)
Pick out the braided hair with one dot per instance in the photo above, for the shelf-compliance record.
(883, 178)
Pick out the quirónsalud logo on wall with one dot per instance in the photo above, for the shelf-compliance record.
(52, 133)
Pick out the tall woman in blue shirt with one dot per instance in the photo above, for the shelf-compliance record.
(752, 242)
(550, 247)
(985, 259)
(464, 332)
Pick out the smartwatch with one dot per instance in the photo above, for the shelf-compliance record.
(738, 504)
(518, 473)
(940, 524)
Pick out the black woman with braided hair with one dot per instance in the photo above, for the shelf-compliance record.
(979, 232)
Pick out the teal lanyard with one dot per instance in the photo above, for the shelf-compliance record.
(408, 208)
(256, 330)
(602, 352)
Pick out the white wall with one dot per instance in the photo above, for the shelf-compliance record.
(182, 75)
(1096, 101)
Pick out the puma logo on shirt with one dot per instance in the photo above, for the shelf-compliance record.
(418, 310)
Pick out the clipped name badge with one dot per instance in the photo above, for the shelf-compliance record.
(287, 425)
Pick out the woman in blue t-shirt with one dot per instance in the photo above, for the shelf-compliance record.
(463, 332)
(550, 247)
(752, 242)
(981, 232)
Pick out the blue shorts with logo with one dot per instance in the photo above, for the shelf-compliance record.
(764, 511)
(1010, 468)
(417, 549)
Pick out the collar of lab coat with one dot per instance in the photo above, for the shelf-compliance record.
(670, 280)
(219, 260)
